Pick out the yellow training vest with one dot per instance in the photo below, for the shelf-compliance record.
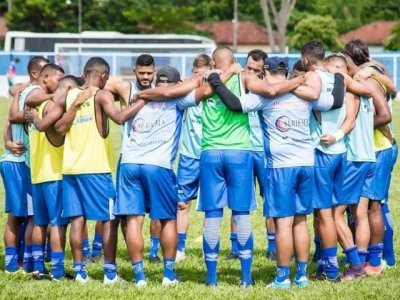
(85, 150)
(381, 142)
(46, 159)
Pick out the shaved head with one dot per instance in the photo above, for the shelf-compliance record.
(223, 56)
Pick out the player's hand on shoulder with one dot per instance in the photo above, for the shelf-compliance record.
(30, 114)
(364, 73)
(84, 95)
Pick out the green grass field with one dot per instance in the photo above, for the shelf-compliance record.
(192, 270)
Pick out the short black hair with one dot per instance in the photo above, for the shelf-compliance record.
(71, 79)
(145, 60)
(314, 50)
(34, 63)
(17, 60)
(257, 55)
(202, 60)
(358, 51)
(94, 64)
(298, 66)
(51, 66)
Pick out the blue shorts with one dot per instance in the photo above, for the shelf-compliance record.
(18, 188)
(355, 183)
(289, 191)
(188, 178)
(330, 170)
(146, 188)
(259, 170)
(48, 203)
(88, 195)
(379, 183)
(395, 152)
(226, 179)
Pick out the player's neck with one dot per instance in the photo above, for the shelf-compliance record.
(317, 66)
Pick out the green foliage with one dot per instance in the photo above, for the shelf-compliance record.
(393, 41)
(322, 28)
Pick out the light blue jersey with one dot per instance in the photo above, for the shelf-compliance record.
(330, 121)
(285, 125)
(152, 135)
(192, 132)
(360, 141)
(256, 135)
(19, 133)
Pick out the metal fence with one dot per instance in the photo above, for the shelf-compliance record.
(121, 63)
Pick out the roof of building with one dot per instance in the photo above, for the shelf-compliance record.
(374, 33)
(248, 32)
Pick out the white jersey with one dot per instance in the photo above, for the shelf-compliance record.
(285, 124)
(152, 136)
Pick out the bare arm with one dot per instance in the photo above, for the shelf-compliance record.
(16, 116)
(262, 87)
(352, 103)
(37, 97)
(170, 92)
(15, 147)
(120, 89)
(311, 89)
(383, 78)
(53, 115)
(104, 98)
(357, 87)
(17, 88)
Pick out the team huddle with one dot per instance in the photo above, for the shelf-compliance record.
(317, 141)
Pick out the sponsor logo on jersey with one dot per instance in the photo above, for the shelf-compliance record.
(140, 125)
(284, 123)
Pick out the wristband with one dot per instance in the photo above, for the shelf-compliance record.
(338, 135)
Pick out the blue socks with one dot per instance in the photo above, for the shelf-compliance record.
(234, 243)
(282, 273)
(181, 242)
(38, 257)
(138, 269)
(245, 244)
(28, 259)
(11, 259)
(110, 269)
(169, 267)
(154, 242)
(301, 269)
(352, 255)
(79, 268)
(388, 248)
(317, 252)
(47, 250)
(86, 248)
(97, 244)
(375, 254)
(362, 255)
(271, 248)
(57, 264)
(329, 257)
(211, 236)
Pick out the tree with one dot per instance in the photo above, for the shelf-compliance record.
(393, 41)
(322, 28)
(281, 19)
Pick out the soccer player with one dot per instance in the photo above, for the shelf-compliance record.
(14, 168)
(88, 191)
(144, 71)
(224, 178)
(290, 162)
(11, 71)
(45, 177)
(146, 180)
(370, 231)
(46, 166)
(189, 160)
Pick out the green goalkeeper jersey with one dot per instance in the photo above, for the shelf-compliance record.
(223, 128)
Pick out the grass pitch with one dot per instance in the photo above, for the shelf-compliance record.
(192, 270)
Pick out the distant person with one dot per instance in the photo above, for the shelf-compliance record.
(11, 71)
